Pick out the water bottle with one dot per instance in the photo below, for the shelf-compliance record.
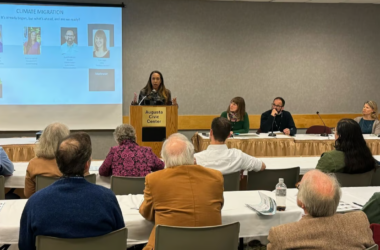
(281, 195)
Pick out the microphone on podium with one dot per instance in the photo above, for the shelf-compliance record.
(151, 93)
(323, 134)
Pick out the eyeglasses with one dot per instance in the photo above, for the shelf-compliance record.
(277, 106)
(298, 184)
(69, 35)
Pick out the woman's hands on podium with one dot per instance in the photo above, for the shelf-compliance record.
(135, 98)
(174, 101)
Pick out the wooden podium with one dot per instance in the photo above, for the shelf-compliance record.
(153, 124)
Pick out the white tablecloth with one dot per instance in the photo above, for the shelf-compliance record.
(17, 141)
(256, 136)
(305, 163)
(359, 195)
(251, 224)
(17, 180)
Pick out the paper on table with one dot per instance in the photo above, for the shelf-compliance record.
(247, 134)
(267, 205)
(1, 205)
(345, 207)
(135, 201)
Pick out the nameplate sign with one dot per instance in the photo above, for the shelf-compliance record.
(154, 116)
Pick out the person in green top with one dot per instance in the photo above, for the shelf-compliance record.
(237, 116)
(351, 154)
(371, 209)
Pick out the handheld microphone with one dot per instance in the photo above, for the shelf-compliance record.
(323, 134)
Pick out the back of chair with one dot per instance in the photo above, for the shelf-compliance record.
(44, 181)
(374, 247)
(317, 129)
(355, 180)
(91, 178)
(376, 178)
(232, 181)
(268, 179)
(127, 185)
(224, 237)
(2, 188)
(116, 240)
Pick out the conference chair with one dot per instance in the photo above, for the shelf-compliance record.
(317, 129)
(374, 247)
(127, 185)
(44, 181)
(116, 240)
(355, 180)
(232, 181)
(268, 179)
(2, 188)
(376, 178)
(224, 237)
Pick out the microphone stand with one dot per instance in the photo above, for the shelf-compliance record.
(324, 133)
(273, 134)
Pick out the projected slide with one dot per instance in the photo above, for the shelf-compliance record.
(58, 55)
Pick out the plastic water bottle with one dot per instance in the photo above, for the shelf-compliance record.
(281, 195)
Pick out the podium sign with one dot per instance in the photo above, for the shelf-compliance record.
(153, 124)
(154, 116)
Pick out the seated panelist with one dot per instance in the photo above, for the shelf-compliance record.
(277, 117)
(237, 116)
(155, 92)
(369, 123)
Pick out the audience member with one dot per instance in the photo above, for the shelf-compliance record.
(71, 207)
(219, 157)
(351, 154)
(321, 227)
(369, 123)
(128, 158)
(372, 208)
(183, 194)
(44, 163)
(237, 116)
(6, 166)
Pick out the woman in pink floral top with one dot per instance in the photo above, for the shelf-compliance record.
(129, 159)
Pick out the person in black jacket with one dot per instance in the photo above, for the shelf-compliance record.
(282, 120)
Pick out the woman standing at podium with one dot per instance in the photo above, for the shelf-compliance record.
(155, 92)
(237, 116)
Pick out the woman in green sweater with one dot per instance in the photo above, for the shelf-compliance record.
(351, 154)
(237, 116)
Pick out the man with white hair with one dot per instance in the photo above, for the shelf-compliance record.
(183, 194)
(321, 227)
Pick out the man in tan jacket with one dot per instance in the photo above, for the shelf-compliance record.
(183, 194)
(321, 227)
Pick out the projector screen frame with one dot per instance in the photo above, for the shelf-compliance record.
(121, 5)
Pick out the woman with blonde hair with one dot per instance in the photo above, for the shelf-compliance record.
(237, 116)
(44, 163)
(369, 123)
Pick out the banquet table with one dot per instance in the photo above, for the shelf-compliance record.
(306, 163)
(263, 145)
(257, 145)
(17, 180)
(19, 149)
(234, 209)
